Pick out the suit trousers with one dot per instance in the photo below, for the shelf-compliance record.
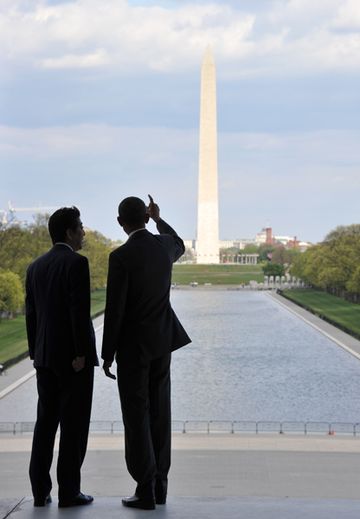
(64, 398)
(144, 387)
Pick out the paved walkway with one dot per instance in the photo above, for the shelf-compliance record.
(340, 338)
(212, 476)
(202, 508)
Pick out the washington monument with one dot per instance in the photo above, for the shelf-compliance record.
(207, 242)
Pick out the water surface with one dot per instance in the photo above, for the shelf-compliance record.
(250, 359)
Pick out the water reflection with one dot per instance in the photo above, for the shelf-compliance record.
(250, 360)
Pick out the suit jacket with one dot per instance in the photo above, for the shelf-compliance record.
(138, 313)
(58, 322)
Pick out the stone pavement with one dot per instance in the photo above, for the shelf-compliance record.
(228, 476)
(201, 508)
(340, 338)
(232, 476)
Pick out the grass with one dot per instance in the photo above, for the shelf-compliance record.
(98, 299)
(12, 338)
(339, 312)
(13, 342)
(217, 274)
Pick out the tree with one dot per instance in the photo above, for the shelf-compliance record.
(333, 265)
(97, 249)
(273, 269)
(353, 284)
(265, 252)
(11, 292)
(343, 230)
(15, 250)
(251, 248)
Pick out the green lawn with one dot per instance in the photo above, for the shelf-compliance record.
(13, 335)
(98, 299)
(12, 338)
(217, 274)
(342, 313)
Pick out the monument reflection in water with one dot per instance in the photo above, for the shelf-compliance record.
(250, 359)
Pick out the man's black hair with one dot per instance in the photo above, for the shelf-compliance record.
(132, 211)
(63, 219)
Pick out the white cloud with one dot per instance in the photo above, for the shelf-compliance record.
(158, 144)
(348, 16)
(164, 147)
(97, 59)
(297, 35)
(261, 175)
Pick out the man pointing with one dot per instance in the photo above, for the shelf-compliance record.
(141, 330)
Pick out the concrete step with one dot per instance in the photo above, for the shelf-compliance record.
(200, 508)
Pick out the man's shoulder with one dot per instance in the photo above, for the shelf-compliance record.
(119, 250)
(39, 260)
(119, 253)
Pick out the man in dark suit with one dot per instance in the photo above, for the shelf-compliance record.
(142, 330)
(62, 344)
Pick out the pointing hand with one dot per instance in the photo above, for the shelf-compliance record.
(153, 210)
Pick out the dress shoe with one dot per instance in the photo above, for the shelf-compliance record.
(135, 501)
(79, 500)
(42, 501)
(160, 491)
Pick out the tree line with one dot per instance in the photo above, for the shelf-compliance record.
(20, 245)
(276, 259)
(334, 264)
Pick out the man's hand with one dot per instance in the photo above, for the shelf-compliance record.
(153, 210)
(78, 364)
(106, 367)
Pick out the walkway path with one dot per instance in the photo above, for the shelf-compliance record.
(212, 476)
(227, 476)
(341, 338)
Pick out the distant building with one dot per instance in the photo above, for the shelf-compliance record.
(235, 244)
(264, 237)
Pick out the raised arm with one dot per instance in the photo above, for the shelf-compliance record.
(164, 228)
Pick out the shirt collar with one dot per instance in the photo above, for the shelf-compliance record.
(136, 230)
(66, 244)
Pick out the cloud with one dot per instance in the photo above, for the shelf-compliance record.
(299, 35)
(261, 175)
(162, 146)
(348, 16)
(97, 59)
(158, 145)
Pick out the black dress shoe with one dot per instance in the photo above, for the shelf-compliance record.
(160, 491)
(79, 500)
(42, 501)
(135, 501)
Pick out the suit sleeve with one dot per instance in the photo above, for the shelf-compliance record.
(116, 295)
(79, 306)
(30, 316)
(179, 247)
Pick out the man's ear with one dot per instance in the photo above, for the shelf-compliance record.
(147, 217)
(120, 222)
(68, 234)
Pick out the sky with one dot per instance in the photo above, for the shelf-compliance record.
(99, 100)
